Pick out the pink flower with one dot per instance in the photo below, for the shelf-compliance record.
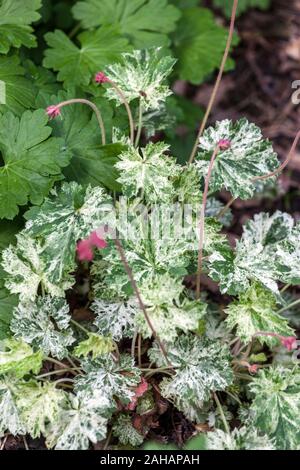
(96, 241)
(140, 390)
(84, 250)
(289, 342)
(224, 144)
(100, 77)
(85, 247)
(253, 368)
(53, 111)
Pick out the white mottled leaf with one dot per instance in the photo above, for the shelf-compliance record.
(27, 269)
(239, 439)
(82, 422)
(39, 404)
(141, 74)
(109, 377)
(149, 172)
(201, 366)
(255, 311)
(248, 156)
(169, 313)
(70, 214)
(45, 324)
(124, 430)
(115, 318)
(275, 409)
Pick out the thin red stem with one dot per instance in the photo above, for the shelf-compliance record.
(284, 164)
(125, 102)
(218, 81)
(202, 221)
(94, 108)
(139, 298)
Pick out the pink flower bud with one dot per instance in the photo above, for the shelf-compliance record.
(224, 144)
(289, 342)
(96, 241)
(84, 250)
(253, 368)
(53, 111)
(100, 77)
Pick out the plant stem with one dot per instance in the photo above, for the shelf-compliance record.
(87, 332)
(55, 372)
(291, 305)
(221, 412)
(63, 380)
(125, 102)
(284, 164)
(201, 224)
(133, 343)
(225, 208)
(94, 108)
(139, 298)
(140, 124)
(218, 81)
(286, 287)
(139, 350)
(58, 363)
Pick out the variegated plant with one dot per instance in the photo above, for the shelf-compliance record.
(100, 325)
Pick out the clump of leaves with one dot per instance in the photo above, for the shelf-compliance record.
(101, 331)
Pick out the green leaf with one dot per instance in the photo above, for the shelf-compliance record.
(167, 312)
(84, 420)
(32, 161)
(19, 91)
(248, 156)
(15, 18)
(95, 345)
(115, 318)
(142, 75)
(275, 409)
(124, 430)
(109, 378)
(199, 44)
(149, 171)
(77, 65)
(145, 22)
(38, 405)
(255, 257)
(239, 439)
(69, 215)
(202, 367)
(256, 311)
(26, 270)
(18, 358)
(45, 325)
(243, 5)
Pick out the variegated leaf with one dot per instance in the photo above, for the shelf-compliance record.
(27, 269)
(45, 324)
(82, 422)
(111, 378)
(168, 312)
(18, 358)
(248, 156)
(115, 318)
(70, 214)
(148, 172)
(141, 74)
(275, 409)
(255, 311)
(201, 366)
